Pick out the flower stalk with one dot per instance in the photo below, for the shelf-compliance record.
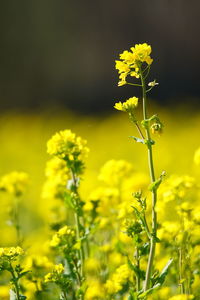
(78, 224)
(154, 191)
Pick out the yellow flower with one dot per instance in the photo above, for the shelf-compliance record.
(14, 183)
(11, 253)
(118, 279)
(55, 274)
(4, 292)
(92, 264)
(64, 235)
(127, 106)
(88, 206)
(59, 268)
(142, 53)
(113, 171)
(94, 290)
(67, 145)
(55, 241)
(131, 61)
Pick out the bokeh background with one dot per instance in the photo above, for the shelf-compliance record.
(58, 71)
(62, 53)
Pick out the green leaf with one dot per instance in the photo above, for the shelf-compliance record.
(138, 140)
(161, 278)
(149, 291)
(155, 185)
(68, 200)
(139, 273)
(23, 274)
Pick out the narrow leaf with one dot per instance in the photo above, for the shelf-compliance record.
(138, 140)
(149, 291)
(164, 272)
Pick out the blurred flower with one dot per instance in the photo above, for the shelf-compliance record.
(197, 157)
(67, 146)
(113, 171)
(118, 279)
(14, 183)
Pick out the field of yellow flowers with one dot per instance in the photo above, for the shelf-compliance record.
(77, 217)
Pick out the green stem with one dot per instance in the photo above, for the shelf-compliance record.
(137, 256)
(139, 130)
(15, 282)
(78, 231)
(64, 295)
(154, 192)
(182, 285)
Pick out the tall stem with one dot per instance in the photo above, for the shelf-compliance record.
(182, 285)
(15, 282)
(78, 228)
(138, 266)
(154, 192)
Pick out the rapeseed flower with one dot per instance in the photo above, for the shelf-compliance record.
(127, 106)
(64, 236)
(55, 275)
(118, 279)
(11, 253)
(66, 145)
(131, 62)
(94, 290)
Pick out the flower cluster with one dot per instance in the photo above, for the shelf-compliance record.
(64, 237)
(55, 275)
(131, 61)
(11, 253)
(127, 106)
(118, 279)
(57, 175)
(62, 280)
(69, 147)
(14, 183)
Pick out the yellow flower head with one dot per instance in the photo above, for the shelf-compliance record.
(131, 61)
(127, 106)
(142, 53)
(10, 253)
(118, 279)
(55, 275)
(94, 290)
(64, 236)
(66, 145)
